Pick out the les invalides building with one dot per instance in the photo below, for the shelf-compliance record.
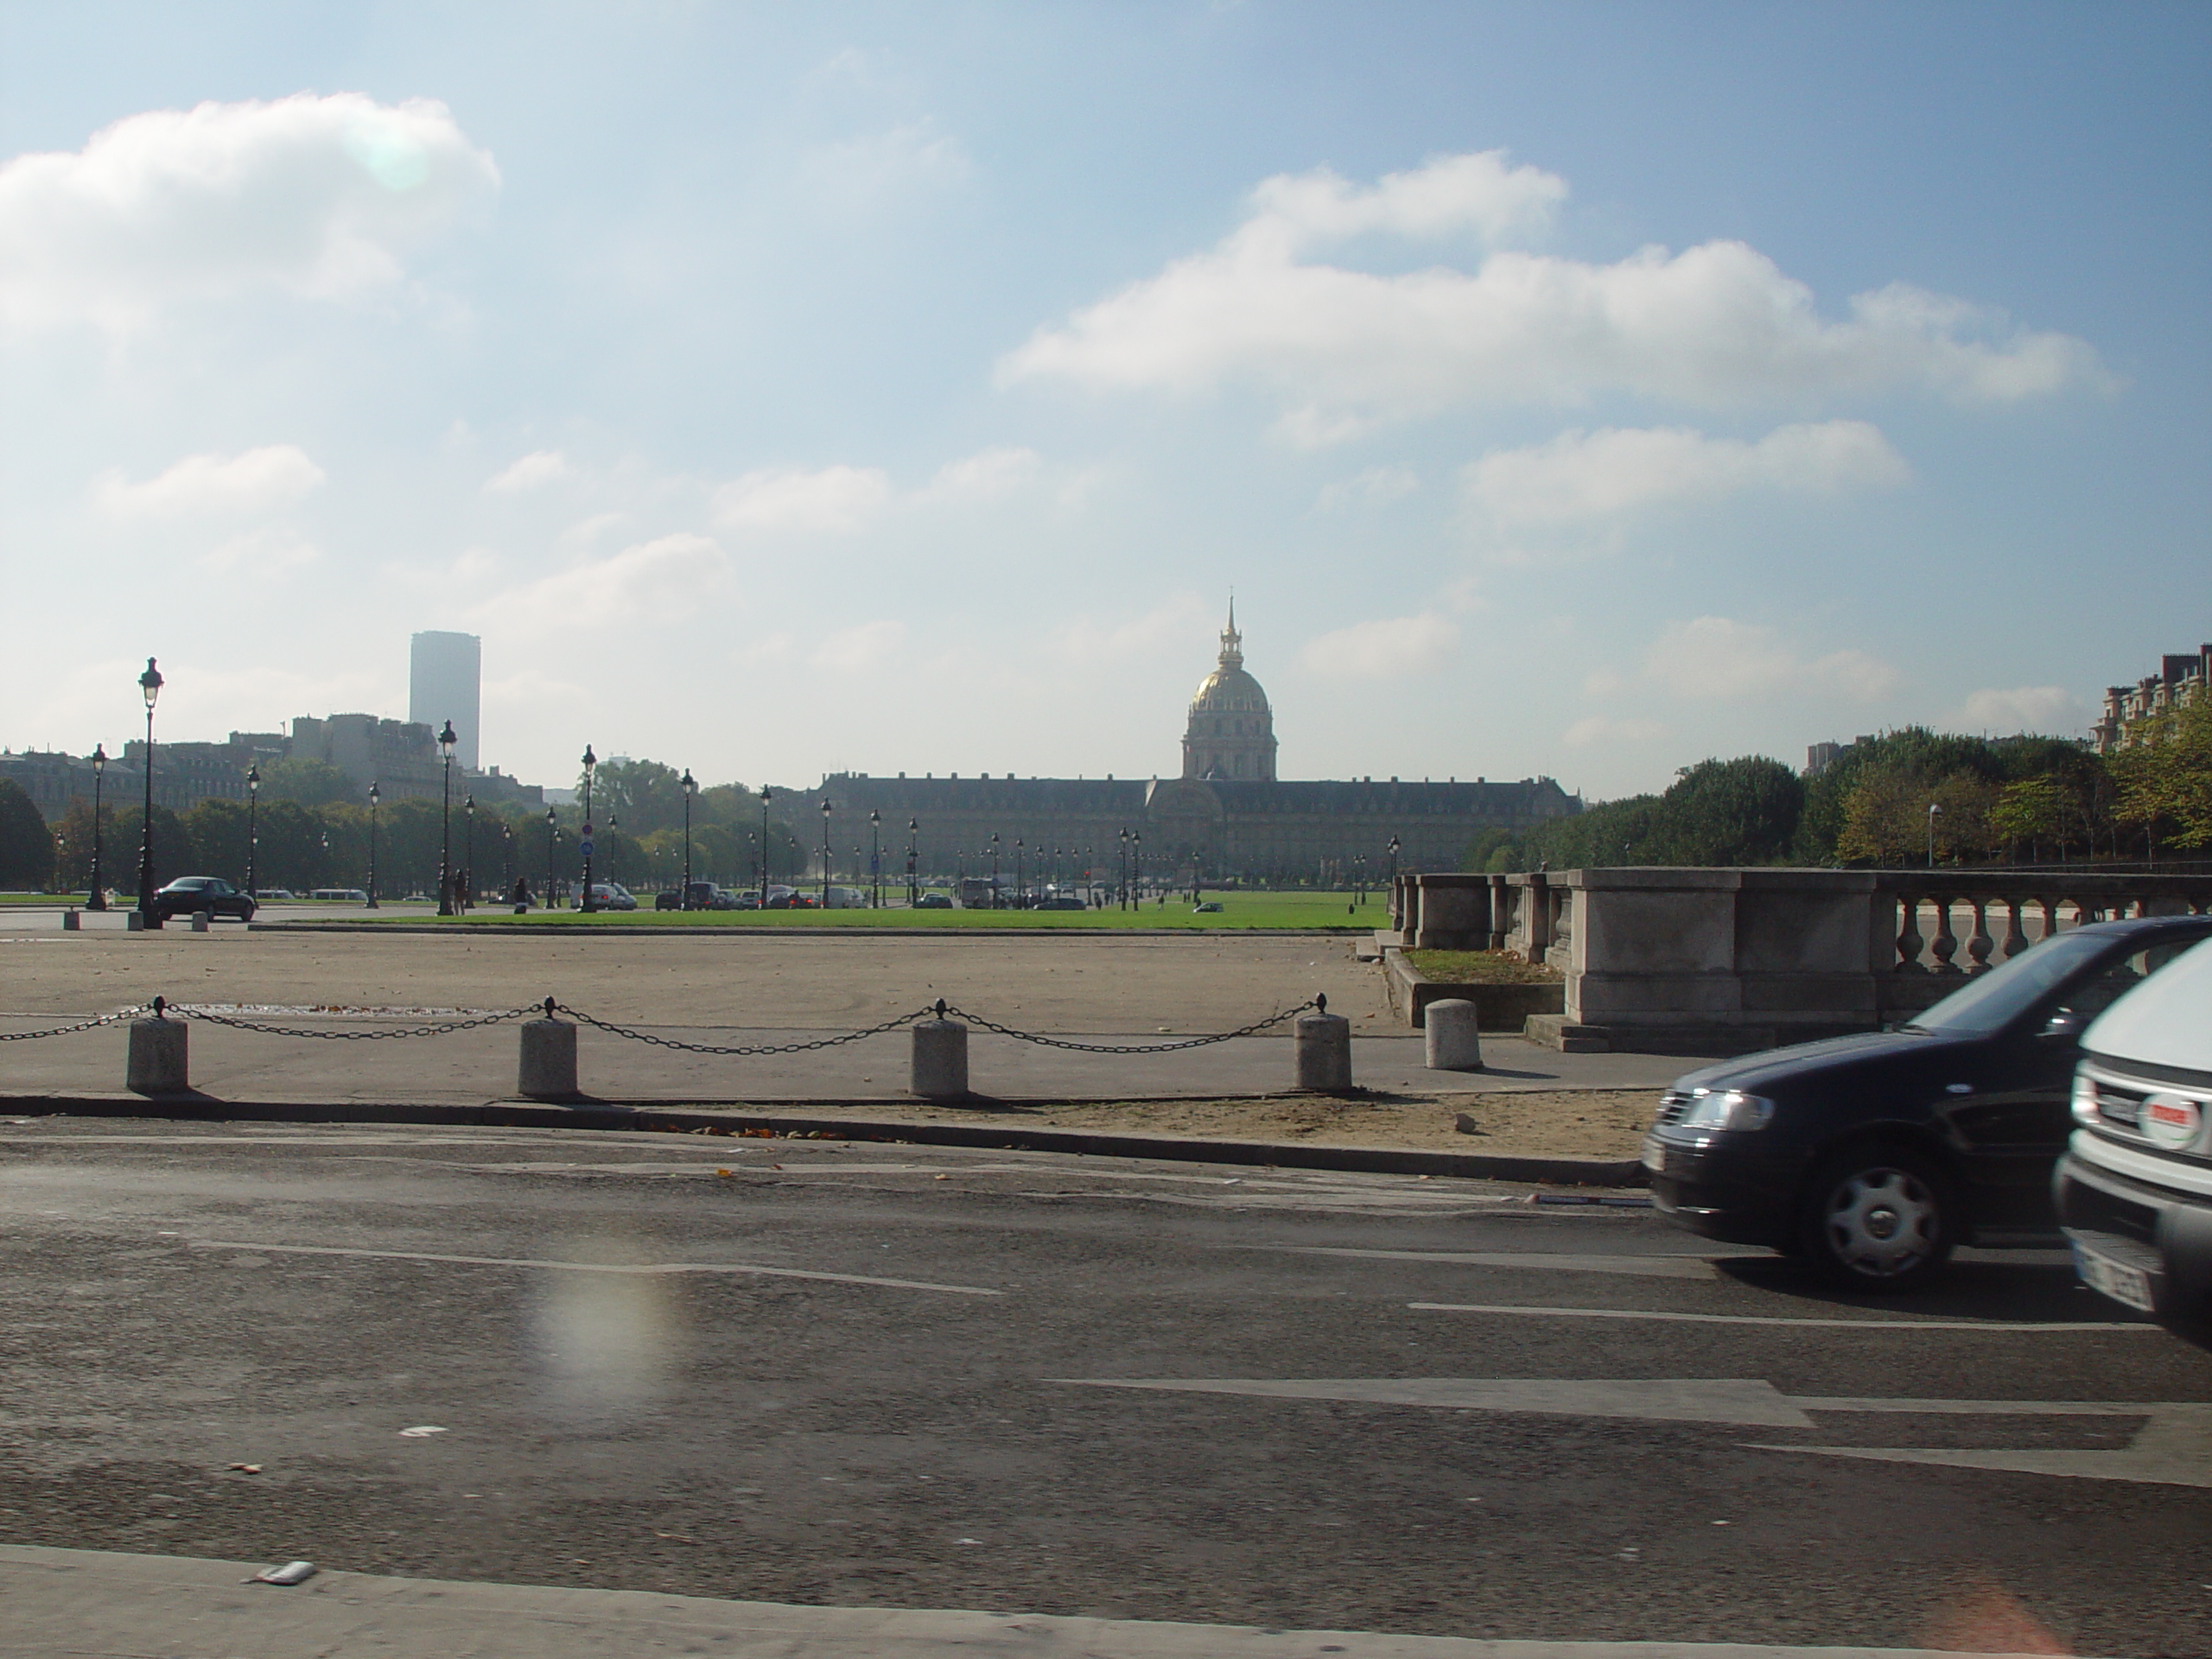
(1228, 812)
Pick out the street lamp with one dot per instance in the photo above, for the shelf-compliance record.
(1394, 867)
(467, 896)
(591, 769)
(552, 835)
(825, 852)
(150, 684)
(765, 793)
(913, 891)
(875, 860)
(252, 833)
(97, 899)
(1935, 811)
(376, 794)
(446, 741)
(1020, 887)
(690, 784)
(506, 858)
(1136, 865)
(994, 869)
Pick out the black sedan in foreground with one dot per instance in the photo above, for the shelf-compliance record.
(1875, 1156)
(189, 893)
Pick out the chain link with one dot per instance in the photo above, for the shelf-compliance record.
(1253, 1029)
(741, 1048)
(186, 1011)
(82, 1025)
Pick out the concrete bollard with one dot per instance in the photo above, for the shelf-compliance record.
(200, 919)
(940, 1062)
(1321, 1042)
(134, 921)
(69, 921)
(159, 1063)
(1454, 1044)
(549, 1058)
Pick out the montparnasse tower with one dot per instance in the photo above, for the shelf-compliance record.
(1231, 735)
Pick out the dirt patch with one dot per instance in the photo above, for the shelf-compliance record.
(1564, 1123)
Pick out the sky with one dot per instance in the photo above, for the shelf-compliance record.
(1563, 389)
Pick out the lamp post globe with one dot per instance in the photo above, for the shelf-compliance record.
(690, 785)
(446, 741)
(825, 852)
(97, 899)
(150, 686)
(591, 770)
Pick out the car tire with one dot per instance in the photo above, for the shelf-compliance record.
(246, 915)
(1879, 1218)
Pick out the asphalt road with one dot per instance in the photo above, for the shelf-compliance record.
(900, 1377)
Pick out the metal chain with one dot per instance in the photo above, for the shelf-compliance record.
(741, 1048)
(189, 1013)
(1253, 1029)
(82, 1025)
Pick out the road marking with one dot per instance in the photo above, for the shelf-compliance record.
(592, 1266)
(1650, 1267)
(1768, 1318)
(1740, 1401)
(2173, 1448)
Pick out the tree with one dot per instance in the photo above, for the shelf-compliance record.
(26, 844)
(310, 783)
(2163, 779)
(1731, 812)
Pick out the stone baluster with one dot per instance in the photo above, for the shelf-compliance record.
(1909, 939)
(2049, 914)
(2016, 932)
(1945, 944)
(1979, 944)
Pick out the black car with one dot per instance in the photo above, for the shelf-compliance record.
(1873, 1156)
(190, 893)
(703, 895)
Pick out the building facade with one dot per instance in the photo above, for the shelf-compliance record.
(445, 682)
(1227, 817)
(2180, 679)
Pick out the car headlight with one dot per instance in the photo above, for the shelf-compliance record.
(1727, 1109)
(2085, 1099)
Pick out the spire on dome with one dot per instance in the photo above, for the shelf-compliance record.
(1232, 642)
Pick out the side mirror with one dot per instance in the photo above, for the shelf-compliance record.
(2064, 1026)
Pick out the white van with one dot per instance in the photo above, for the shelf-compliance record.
(2134, 1190)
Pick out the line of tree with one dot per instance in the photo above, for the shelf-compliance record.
(2010, 800)
(310, 830)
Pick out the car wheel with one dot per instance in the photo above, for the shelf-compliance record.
(246, 915)
(1879, 1218)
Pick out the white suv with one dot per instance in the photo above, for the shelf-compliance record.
(2134, 1190)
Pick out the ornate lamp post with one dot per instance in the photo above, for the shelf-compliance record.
(97, 897)
(825, 852)
(252, 832)
(1394, 865)
(690, 784)
(994, 869)
(591, 769)
(1935, 811)
(913, 888)
(1021, 886)
(1125, 869)
(376, 794)
(446, 741)
(467, 894)
(506, 858)
(765, 793)
(149, 685)
(60, 859)
(552, 835)
(875, 860)
(1136, 863)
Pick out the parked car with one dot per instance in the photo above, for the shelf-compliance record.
(1875, 1156)
(333, 895)
(1208, 908)
(188, 893)
(934, 901)
(1060, 901)
(611, 895)
(703, 895)
(2135, 1190)
(263, 895)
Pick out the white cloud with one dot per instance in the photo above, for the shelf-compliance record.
(262, 553)
(1373, 487)
(864, 646)
(1385, 648)
(890, 165)
(539, 467)
(1602, 729)
(644, 577)
(833, 500)
(988, 475)
(1714, 656)
(1717, 325)
(2022, 708)
(257, 481)
(1177, 623)
(312, 196)
(1580, 476)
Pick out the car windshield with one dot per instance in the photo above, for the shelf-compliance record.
(2003, 993)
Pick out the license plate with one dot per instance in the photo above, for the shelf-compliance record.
(1655, 1153)
(2115, 1279)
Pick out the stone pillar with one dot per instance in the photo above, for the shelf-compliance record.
(134, 921)
(69, 921)
(1453, 1042)
(200, 921)
(1321, 1046)
(158, 1064)
(549, 1058)
(940, 1060)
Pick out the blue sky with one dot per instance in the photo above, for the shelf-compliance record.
(1580, 391)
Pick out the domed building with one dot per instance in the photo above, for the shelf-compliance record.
(1232, 735)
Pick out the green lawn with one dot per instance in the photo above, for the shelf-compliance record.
(1480, 968)
(1239, 911)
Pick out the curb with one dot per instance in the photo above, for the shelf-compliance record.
(749, 930)
(519, 1114)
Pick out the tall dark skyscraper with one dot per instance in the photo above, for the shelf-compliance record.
(445, 676)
